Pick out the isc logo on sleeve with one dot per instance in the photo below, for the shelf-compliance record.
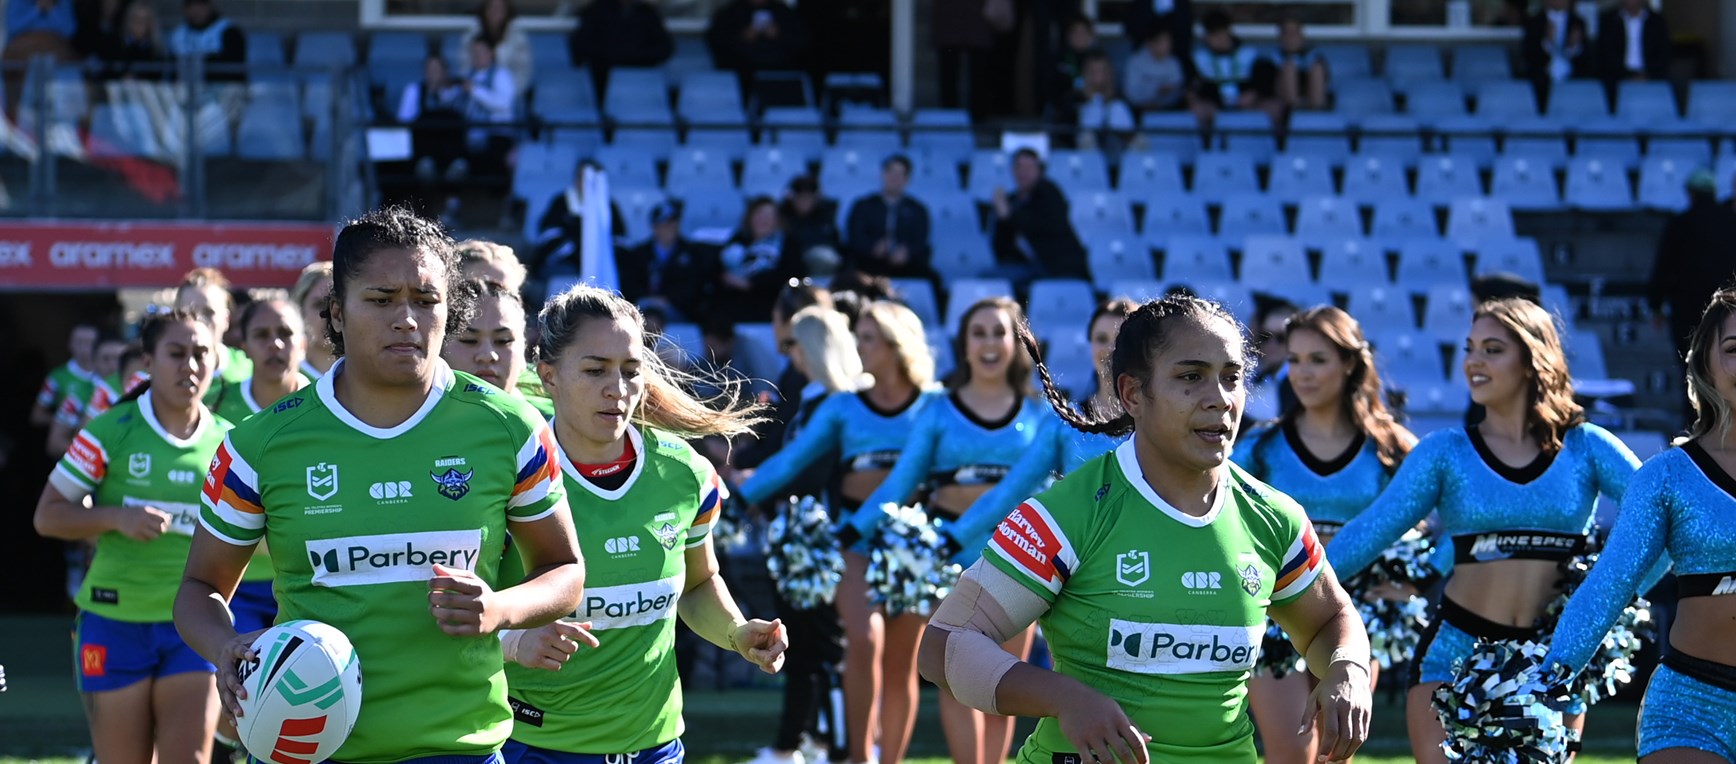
(391, 557)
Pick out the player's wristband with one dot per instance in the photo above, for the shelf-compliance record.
(509, 639)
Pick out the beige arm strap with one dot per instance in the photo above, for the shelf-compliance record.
(986, 608)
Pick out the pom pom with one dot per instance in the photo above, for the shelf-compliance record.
(802, 554)
(908, 569)
(1277, 655)
(1612, 666)
(1395, 628)
(1504, 707)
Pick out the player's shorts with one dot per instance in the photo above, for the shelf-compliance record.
(114, 654)
(1452, 636)
(493, 758)
(672, 752)
(254, 606)
(1690, 703)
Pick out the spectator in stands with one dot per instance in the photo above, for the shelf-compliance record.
(1080, 44)
(35, 28)
(1154, 78)
(1554, 47)
(1693, 260)
(136, 50)
(98, 22)
(1146, 18)
(667, 270)
(1105, 121)
(1303, 81)
(1033, 236)
(204, 33)
(1230, 75)
(810, 220)
(497, 22)
(434, 109)
(755, 263)
(489, 91)
(561, 227)
(1269, 393)
(964, 35)
(751, 35)
(1633, 43)
(888, 231)
(618, 33)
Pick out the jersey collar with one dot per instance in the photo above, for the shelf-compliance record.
(150, 414)
(574, 478)
(328, 396)
(1129, 463)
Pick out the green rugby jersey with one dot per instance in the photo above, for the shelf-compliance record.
(1161, 611)
(235, 403)
(357, 516)
(131, 580)
(624, 696)
(68, 380)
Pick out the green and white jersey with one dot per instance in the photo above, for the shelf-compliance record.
(74, 411)
(131, 580)
(233, 365)
(625, 696)
(234, 402)
(1159, 610)
(357, 516)
(66, 380)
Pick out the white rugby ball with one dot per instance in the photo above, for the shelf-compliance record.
(302, 696)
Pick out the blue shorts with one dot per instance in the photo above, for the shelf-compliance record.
(1452, 636)
(1690, 703)
(493, 758)
(253, 605)
(672, 752)
(114, 654)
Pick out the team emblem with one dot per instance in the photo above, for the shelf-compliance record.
(139, 465)
(1133, 567)
(1251, 580)
(667, 535)
(322, 481)
(454, 484)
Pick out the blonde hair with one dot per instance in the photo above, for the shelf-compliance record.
(310, 277)
(828, 348)
(903, 331)
(1552, 410)
(1711, 411)
(482, 251)
(667, 405)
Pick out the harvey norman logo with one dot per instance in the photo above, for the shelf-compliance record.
(1169, 648)
(391, 558)
(618, 607)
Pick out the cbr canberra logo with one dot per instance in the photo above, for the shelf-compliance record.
(391, 557)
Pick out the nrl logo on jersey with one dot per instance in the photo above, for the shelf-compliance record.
(322, 481)
(139, 465)
(1133, 567)
(453, 484)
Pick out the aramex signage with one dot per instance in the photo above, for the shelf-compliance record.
(107, 255)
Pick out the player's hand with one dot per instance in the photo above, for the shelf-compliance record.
(1100, 731)
(462, 603)
(236, 653)
(142, 523)
(762, 643)
(1340, 707)
(549, 647)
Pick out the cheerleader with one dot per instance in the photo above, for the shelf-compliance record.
(1515, 493)
(961, 446)
(1332, 453)
(312, 290)
(867, 430)
(1681, 503)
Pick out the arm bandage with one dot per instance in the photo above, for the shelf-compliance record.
(986, 608)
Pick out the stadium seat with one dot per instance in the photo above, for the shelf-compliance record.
(1371, 179)
(272, 132)
(955, 209)
(1070, 361)
(1474, 65)
(122, 130)
(728, 142)
(1663, 182)
(1645, 102)
(1474, 217)
(942, 133)
(1321, 217)
(1319, 136)
(1537, 141)
(1169, 215)
(1101, 210)
(1218, 176)
(629, 166)
(1426, 262)
(940, 345)
(1347, 60)
(1137, 290)
(1245, 214)
(1349, 264)
(1596, 185)
(959, 255)
(1191, 258)
(935, 175)
(1357, 97)
(1414, 63)
(1724, 174)
(1506, 101)
(1401, 217)
(565, 93)
(962, 293)
(1394, 137)
(265, 49)
(1078, 172)
(1609, 139)
(548, 51)
(1238, 298)
(1408, 361)
(1431, 101)
(1380, 307)
(1447, 312)
(767, 170)
(691, 168)
(1469, 137)
(1062, 305)
(1246, 132)
(945, 227)
(1270, 263)
(708, 89)
(1682, 140)
(918, 295)
(846, 173)
(1519, 256)
(797, 130)
(1176, 133)
(711, 208)
(1117, 258)
(989, 170)
(325, 50)
(1555, 299)
(1525, 184)
(635, 204)
(1575, 100)
(543, 170)
(1296, 176)
(394, 48)
(1443, 178)
(873, 132)
(1712, 102)
(634, 87)
(1145, 175)
(1585, 355)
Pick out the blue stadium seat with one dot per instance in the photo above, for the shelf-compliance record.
(1506, 101)
(933, 174)
(1474, 65)
(1423, 263)
(1394, 136)
(1370, 179)
(629, 166)
(959, 255)
(1575, 100)
(392, 48)
(270, 132)
(699, 168)
(918, 295)
(1712, 102)
(1646, 102)
(954, 227)
(543, 170)
(962, 293)
(1410, 362)
(940, 346)
(1663, 183)
(265, 49)
(1469, 137)
(635, 85)
(1271, 263)
(729, 142)
(1379, 306)
(1611, 139)
(1361, 96)
(1070, 361)
(1321, 217)
(871, 131)
(1402, 218)
(955, 209)
(122, 130)
(568, 94)
(702, 87)
(1519, 256)
(1538, 141)
(657, 142)
(1472, 218)
(1218, 176)
(989, 170)
(1137, 290)
(548, 52)
(1346, 60)
(1116, 258)
(1296, 176)
(795, 129)
(326, 50)
(1724, 172)
(1192, 258)
(1062, 306)
(1585, 355)
(846, 173)
(1445, 177)
(1245, 214)
(942, 134)
(1348, 264)
(1145, 174)
(1414, 63)
(711, 208)
(1101, 210)
(1447, 312)
(1078, 172)
(1246, 132)
(1233, 295)
(1322, 136)
(1176, 133)
(1435, 100)
(635, 112)
(1682, 140)
(1596, 185)
(1525, 184)
(1172, 214)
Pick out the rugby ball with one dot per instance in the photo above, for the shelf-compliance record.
(302, 695)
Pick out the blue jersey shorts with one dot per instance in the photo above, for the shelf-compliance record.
(114, 654)
(672, 752)
(254, 606)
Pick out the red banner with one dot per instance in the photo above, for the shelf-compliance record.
(99, 255)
